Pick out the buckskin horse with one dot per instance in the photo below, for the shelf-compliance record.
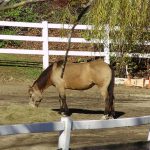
(77, 76)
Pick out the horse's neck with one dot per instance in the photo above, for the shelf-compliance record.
(44, 80)
(41, 87)
(36, 87)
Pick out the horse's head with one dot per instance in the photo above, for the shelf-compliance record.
(35, 97)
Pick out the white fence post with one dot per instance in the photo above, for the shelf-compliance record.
(45, 45)
(148, 139)
(64, 138)
(106, 44)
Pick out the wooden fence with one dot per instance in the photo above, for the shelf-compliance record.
(66, 125)
(45, 39)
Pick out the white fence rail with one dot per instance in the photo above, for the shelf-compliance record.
(45, 39)
(66, 125)
(45, 52)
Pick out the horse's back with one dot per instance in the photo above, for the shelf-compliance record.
(100, 67)
(85, 75)
(75, 76)
(100, 72)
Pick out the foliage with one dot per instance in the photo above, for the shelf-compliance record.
(131, 16)
(25, 14)
(20, 14)
(120, 65)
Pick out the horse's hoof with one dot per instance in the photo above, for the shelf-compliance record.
(59, 112)
(111, 117)
(105, 117)
(64, 114)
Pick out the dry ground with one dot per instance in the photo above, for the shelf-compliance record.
(130, 102)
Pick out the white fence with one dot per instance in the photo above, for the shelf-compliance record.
(45, 39)
(66, 125)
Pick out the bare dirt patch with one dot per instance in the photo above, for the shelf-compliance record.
(130, 102)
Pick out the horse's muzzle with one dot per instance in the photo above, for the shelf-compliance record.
(32, 105)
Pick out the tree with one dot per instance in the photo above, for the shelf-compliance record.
(132, 18)
(7, 4)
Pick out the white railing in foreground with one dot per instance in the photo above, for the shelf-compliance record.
(45, 39)
(66, 125)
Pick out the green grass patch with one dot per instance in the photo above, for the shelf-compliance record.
(19, 67)
(19, 57)
(19, 73)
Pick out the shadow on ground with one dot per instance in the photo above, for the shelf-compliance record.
(86, 111)
(128, 146)
(14, 63)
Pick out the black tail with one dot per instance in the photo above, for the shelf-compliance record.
(111, 92)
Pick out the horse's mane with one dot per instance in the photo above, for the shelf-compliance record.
(44, 77)
(42, 80)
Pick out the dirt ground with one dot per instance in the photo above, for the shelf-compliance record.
(87, 105)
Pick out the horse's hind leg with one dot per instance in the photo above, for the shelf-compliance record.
(104, 94)
(108, 103)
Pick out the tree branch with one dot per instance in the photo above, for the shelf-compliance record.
(4, 2)
(85, 9)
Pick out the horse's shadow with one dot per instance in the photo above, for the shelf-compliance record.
(86, 111)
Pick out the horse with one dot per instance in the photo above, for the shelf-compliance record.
(77, 76)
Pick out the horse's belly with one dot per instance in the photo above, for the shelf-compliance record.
(79, 85)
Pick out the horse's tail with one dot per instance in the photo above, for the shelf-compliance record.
(111, 92)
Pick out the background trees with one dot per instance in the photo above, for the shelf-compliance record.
(132, 17)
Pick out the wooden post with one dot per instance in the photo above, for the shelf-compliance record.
(149, 83)
(64, 138)
(106, 44)
(148, 139)
(45, 45)
(128, 81)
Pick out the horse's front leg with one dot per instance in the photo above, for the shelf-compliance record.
(62, 99)
(63, 108)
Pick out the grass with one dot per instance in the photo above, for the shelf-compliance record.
(22, 68)
(19, 67)
(13, 114)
